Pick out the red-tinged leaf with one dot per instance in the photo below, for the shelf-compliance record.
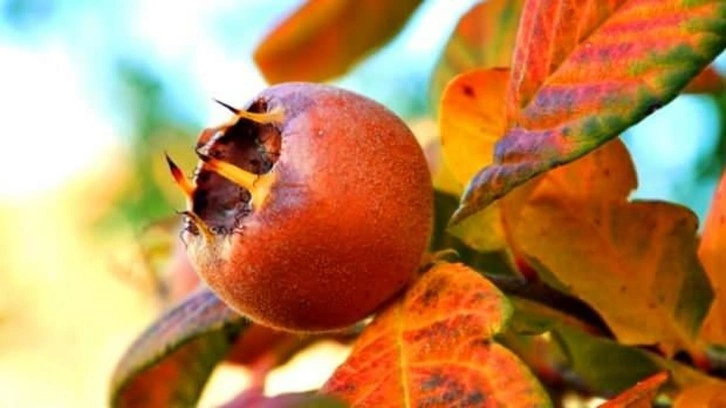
(255, 398)
(434, 348)
(483, 38)
(708, 81)
(572, 353)
(702, 396)
(585, 71)
(323, 39)
(171, 361)
(640, 395)
(712, 252)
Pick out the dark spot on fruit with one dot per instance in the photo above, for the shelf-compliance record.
(469, 91)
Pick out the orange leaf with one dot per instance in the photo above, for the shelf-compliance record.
(471, 119)
(703, 395)
(571, 219)
(633, 262)
(708, 81)
(639, 396)
(255, 398)
(584, 71)
(434, 348)
(323, 39)
(712, 253)
(171, 361)
(483, 38)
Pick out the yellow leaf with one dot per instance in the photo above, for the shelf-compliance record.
(434, 348)
(712, 253)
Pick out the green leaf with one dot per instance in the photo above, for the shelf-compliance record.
(578, 354)
(169, 364)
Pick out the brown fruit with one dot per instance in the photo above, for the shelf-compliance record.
(334, 216)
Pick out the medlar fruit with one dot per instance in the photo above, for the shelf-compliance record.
(309, 209)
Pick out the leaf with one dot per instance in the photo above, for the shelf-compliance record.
(495, 264)
(702, 395)
(576, 218)
(255, 398)
(712, 252)
(570, 351)
(324, 39)
(483, 38)
(471, 119)
(708, 81)
(640, 395)
(259, 341)
(171, 361)
(583, 72)
(635, 263)
(434, 348)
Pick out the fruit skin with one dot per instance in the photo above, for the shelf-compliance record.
(344, 226)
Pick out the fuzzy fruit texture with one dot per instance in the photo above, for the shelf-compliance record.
(336, 221)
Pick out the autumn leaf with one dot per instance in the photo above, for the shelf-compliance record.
(434, 348)
(323, 39)
(712, 252)
(563, 349)
(171, 361)
(583, 72)
(702, 395)
(256, 398)
(640, 395)
(708, 81)
(483, 38)
(471, 120)
(633, 262)
(496, 264)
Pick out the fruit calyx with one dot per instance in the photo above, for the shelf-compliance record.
(236, 172)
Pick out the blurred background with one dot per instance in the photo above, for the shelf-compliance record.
(92, 93)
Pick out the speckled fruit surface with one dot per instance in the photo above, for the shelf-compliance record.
(346, 220)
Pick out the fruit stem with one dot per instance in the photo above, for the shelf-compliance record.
(201, 226)
(184, 184)
(257, 184)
